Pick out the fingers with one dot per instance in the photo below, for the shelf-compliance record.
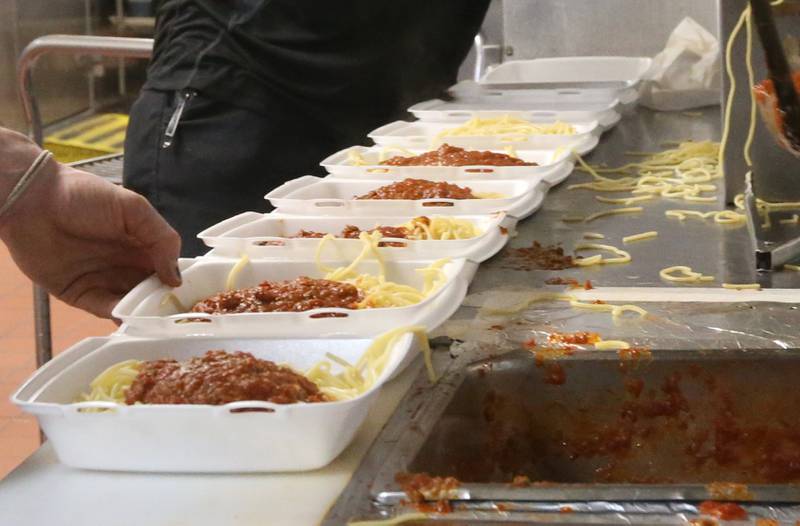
(99, 292)
(159, 240)
(100, 302)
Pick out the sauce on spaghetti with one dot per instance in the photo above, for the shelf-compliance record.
(414, 189)
(447, 155)
(218, 378)
(297, 295)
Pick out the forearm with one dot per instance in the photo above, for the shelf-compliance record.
(17, 156)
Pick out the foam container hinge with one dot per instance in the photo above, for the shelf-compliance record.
(249, 436)
(553, 167)
(564, 97)
(424, 135)
(242, 234)
(624, 73)
(144, 310)
(460, 110)
(310, 195)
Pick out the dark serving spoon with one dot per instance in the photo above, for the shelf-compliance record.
(779, 72)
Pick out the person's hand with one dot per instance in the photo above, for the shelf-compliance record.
(83, 239)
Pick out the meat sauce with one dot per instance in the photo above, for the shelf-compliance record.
(447, 155)
(298, 295)
(539, 257)
(415, 189)
(218, 378)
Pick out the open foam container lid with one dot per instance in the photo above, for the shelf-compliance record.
(461, 110)
(237, 437)
(246, 233)
(425, 134)
(549, 164)
(309, 195)
(146, 309)
(628, 71)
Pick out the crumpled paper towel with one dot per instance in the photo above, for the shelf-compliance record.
(687, 73)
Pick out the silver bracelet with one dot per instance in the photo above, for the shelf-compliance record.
(25, 181)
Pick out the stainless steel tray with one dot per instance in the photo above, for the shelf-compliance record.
(699, 418)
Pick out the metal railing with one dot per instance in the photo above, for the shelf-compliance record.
(75, 45)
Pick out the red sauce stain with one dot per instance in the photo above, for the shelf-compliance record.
(421, 489)
(496, 328)
(571, 282)
(530, 343)
(504, 230)
(555, 374)
(599, 302)
(565, 509)
(629, 358)
(767, 522)
(578, 338)
(726, 511)
(538, 256)
(704, 521)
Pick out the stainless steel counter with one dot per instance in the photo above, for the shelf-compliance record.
(702, 329)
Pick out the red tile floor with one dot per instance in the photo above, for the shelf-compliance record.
(18, 432)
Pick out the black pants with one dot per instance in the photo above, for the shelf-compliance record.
(222, 161)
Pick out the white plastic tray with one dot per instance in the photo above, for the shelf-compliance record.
(309, 195)
(468, 89)
(196, 438)
(422, 135)
(145, 313)
(438, 110)
(549, 161)
(242, 233)
(575, 72)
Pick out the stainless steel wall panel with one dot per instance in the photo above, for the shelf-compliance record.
(10, 111)
(545, 28)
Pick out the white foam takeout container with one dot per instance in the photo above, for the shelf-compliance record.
(469, 90)
(461, 110)
(242, 234)
(197, 438)
(613, 73)
(424, 135)
(145, 311)
(309, 195)
(553, 166)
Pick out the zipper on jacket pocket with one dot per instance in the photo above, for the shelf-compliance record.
(183, 97)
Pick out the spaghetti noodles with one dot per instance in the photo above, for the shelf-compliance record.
(685, 275)
(640, 237)
(506, 126)
(622, 256)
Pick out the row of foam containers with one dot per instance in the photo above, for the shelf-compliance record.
(262, 436)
